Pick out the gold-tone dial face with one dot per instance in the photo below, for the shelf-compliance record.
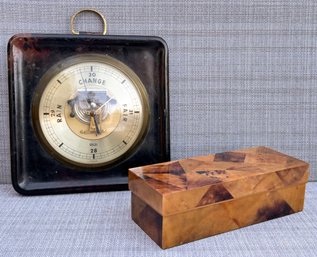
(91, 110)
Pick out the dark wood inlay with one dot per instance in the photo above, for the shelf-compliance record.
(216, 193)
(278, 209)
(229, 157)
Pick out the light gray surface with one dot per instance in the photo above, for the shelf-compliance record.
(242, 73)
(99, 224)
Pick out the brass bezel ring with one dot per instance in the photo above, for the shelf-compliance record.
(99, 14)
(73, 60)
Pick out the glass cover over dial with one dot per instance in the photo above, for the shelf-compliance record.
(91, 110)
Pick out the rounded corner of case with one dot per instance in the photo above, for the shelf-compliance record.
(19, 189)
(161, 41)
(15, 37)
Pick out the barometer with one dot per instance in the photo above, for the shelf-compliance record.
(84, 108)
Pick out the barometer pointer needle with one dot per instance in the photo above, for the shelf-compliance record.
(93, 115)
(100, 107)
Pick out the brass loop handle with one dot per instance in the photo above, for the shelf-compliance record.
(103, 19)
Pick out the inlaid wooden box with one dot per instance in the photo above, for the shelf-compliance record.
(181, 201)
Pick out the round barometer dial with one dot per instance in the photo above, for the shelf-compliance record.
(91, 110)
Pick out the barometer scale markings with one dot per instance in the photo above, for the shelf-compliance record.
(130, 111)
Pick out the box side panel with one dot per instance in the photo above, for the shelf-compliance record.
(225, 216)
(147, 219)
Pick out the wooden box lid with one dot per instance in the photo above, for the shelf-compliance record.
(177, 186)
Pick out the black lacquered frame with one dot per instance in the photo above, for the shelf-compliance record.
(34, 169)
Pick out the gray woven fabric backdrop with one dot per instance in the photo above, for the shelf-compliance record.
(242, 73)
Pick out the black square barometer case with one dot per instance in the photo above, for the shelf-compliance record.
(84, 108)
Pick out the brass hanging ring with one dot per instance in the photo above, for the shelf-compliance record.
(103, 19)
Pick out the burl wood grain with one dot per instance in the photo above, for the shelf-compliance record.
(189, 199)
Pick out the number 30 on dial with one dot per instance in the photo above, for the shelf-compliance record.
(90, 110)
